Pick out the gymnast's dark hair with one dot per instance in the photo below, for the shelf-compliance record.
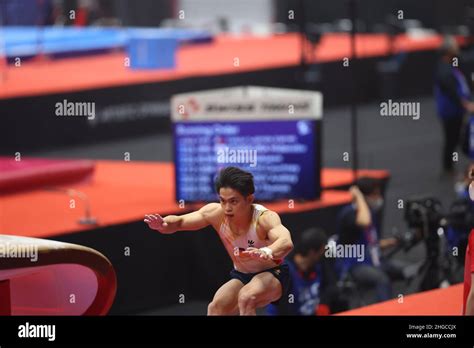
(237, 179)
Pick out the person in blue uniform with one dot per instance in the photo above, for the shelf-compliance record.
(312, 288)
(452, 95)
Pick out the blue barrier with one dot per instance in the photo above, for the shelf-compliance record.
(25, 42)
(151, 50)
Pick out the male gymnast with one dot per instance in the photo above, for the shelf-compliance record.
(253, 236)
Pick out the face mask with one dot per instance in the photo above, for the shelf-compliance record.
(376, 204)
(471, 191)
(460, 188)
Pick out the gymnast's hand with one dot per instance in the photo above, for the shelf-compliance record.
(156, 222)
(257, 254)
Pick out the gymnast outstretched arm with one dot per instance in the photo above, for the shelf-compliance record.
(278, 235)
(187, 222)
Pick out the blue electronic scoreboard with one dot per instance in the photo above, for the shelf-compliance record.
(282, 155)
(274, 133)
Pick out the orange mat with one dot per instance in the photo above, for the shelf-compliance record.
(446, 301)
(122, 192)
(216, 58)
(334, 177)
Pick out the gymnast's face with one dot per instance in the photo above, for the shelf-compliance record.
(234, 204)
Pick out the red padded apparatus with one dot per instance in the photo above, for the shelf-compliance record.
(35, 173)
(45, 277)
